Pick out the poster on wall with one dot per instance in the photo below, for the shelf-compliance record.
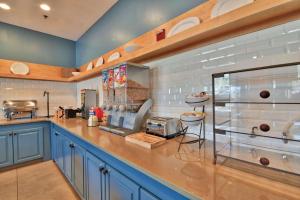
(122, 76)
(111, 78)
(105, 80)
(116, 77)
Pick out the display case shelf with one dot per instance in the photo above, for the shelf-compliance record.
(256, 117)
(278, 160)
(222, 103)
(223, 130)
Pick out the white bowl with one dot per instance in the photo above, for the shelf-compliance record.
(192, 118)
(195, 100)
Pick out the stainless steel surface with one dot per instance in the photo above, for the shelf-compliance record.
(162, 126)
(46, 93)
(16, 109)
(88, 100)
(129, 86)
(127, 123)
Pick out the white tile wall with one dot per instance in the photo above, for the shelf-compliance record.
(175, 77)
(61, 94)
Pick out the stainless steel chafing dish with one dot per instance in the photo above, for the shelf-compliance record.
(17, 109)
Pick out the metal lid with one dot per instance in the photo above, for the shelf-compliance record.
(20, 105)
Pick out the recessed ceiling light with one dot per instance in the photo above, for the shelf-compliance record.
(45, 7)
(4, 6)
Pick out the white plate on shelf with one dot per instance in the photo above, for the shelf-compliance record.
(90, 66)
(99, 62)
(19, 68)
(75, 73)
(184, 25)
(132, 47)
(225, 6)
(114, 56)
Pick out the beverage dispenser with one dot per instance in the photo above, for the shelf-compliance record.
(126, 97)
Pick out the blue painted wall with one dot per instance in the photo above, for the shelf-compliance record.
(126, 20)
(22, 44)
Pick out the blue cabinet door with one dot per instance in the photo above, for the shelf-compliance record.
(67, 157)
(145, 195)
(78, 170)
(28, 144)
(94, 178)
(57, 149)
(119, 187)
(6, 149)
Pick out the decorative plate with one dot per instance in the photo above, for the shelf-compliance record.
(132, 47)
(90, 66)
(19, 68)
(75, 73)
(114, 56)
(225, 6)
(99, 62)
(184, 25)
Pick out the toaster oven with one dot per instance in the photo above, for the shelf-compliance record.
(162, 126)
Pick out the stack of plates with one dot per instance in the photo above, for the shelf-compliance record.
(197, 100)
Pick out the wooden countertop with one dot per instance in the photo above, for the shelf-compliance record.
(190, 172)
(4, 122)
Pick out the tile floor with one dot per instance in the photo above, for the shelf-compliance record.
(41, 181)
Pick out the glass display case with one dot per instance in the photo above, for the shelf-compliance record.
(256, 118)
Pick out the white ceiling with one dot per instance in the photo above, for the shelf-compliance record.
(68, 19)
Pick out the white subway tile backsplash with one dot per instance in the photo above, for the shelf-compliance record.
(61, 94)
(175, 77)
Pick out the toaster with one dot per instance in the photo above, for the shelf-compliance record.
(162, 126)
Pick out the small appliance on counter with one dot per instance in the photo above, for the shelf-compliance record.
(162, 126)
(126, 98)
(66, 113)
(19, 109)
(88, 100)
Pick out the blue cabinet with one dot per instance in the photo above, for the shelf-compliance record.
(145, 195)
(94, 178)
(28, 144)
(119, 187)
(105, 183)
(70, 157)
(96, 175)
(67, 157)
(6, 149)
(79, 169)
(57, 149)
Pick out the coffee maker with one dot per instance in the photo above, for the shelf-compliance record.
(88, 100)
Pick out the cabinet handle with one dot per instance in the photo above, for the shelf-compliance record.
(15, 134)
(105, 171)
(101, 168)
(71, 145)
(10, 134)
(56, 134)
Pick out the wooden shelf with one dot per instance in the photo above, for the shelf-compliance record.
(259, 15)
(253, 17)
(37, 71)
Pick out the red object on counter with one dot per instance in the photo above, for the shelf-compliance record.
(99, 113)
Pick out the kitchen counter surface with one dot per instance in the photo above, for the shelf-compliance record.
(190, 172)
(4, 122)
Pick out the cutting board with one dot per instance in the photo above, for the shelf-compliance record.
(145, 140)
